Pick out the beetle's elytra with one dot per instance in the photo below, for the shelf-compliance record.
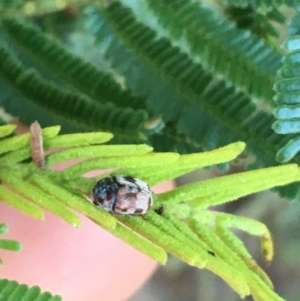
(123, 195)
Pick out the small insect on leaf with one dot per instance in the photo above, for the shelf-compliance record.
(123, 195)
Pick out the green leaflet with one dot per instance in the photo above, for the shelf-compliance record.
(143, 161)
(287, 96)
(260, 5)
(187, 163)
(261, 23)
(36, 196)
(20, 203)
(17, 142)
(3, 229)
(6, 130)
(8, 244)
(231, 187)
(95, 151)
(13, 291)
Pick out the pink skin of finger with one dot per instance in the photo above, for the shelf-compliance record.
(79, 264)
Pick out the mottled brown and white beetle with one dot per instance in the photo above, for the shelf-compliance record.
(123, 195)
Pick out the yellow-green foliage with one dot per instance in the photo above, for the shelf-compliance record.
(200, 237)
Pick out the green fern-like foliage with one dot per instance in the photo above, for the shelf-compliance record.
(176, 77)
(13, 291)
(162, 87)
(260, 5)
(32, 8)
(184, 228)
(80, 100)
(259, 23)
(254, 68)
(222, 114)
(288, 96)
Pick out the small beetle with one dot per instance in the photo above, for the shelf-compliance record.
(124, 195)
